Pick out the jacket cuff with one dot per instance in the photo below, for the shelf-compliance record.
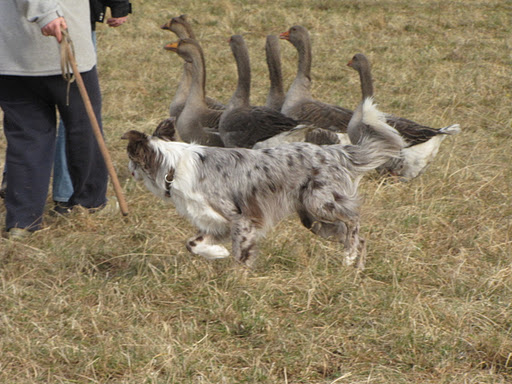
(45, 19)
(121, 11)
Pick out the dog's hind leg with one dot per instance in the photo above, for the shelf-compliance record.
(244, 235)
(205, 245)
(336, 231)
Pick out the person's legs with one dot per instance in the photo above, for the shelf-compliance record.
(3, 184)
(29, 125)
(62, 185)
(85, 162)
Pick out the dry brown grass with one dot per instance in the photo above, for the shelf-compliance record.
(109, 300)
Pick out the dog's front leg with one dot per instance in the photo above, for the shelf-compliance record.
(243, 237)
(355, 246)
(206, 245)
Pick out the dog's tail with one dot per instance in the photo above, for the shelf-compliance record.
(375, 141)
(450, 130)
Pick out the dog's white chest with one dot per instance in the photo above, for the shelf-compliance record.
(195, 207)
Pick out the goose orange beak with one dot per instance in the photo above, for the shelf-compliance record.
(285, 35)
(172, 47)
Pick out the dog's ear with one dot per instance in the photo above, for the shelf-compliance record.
(138, 148)
(134, 136)
(166, 130)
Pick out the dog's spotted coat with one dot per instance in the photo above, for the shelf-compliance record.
(241, 193)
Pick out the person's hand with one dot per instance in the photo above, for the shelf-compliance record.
(54, 28)
(116, 21)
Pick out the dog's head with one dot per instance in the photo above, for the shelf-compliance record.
(143, 158)
(146, 163)
(153, 159)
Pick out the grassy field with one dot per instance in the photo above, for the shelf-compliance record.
(105, 299)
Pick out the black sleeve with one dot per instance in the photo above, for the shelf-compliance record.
(119, 8)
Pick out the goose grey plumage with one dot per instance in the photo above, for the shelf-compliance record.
(276, 94)
(422, 142)
(299, 103)
(243, 125)
(181, 27)
(196, 123)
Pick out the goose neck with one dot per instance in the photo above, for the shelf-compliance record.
(242, 93)
(198, 80)
(365, 77)
(305, 58)
(274, 70)
(183, 86)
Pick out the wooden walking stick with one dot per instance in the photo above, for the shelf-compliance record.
(68, 58)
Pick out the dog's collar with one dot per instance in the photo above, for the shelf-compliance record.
(169, 178)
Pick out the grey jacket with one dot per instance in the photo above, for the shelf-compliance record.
(24, 51)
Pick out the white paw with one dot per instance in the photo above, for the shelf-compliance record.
(211, 252)
(350, 258)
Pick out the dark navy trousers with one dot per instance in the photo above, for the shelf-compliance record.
(29, 104)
